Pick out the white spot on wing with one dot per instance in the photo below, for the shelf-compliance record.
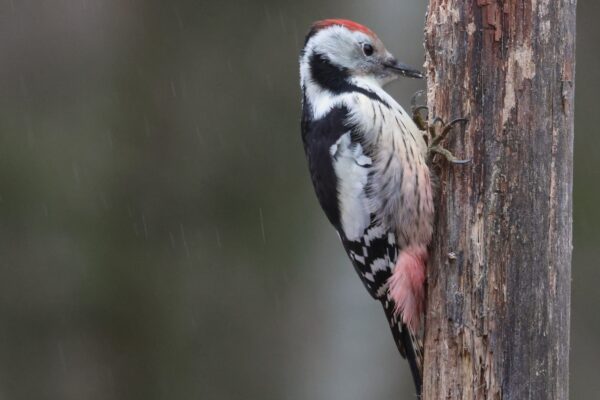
(350, 165)
(374, 233)
(380, 264)
(357, 258)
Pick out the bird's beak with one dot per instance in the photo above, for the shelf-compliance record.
(402, 69)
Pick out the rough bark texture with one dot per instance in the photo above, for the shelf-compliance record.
(497, 321)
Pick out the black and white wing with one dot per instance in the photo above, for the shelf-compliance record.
(341, 169)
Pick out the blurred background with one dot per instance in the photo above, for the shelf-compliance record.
(159, 235)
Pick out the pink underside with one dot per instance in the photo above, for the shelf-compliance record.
(407, 284)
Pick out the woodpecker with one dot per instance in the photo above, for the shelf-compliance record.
(368, 164)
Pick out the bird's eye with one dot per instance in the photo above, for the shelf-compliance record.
(368, 49)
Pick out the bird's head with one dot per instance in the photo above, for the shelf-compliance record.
(338, 50)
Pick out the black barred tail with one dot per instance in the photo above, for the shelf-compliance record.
(408, 344)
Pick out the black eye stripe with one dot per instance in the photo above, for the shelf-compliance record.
(368, 49)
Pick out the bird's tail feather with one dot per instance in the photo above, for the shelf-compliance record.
(408, 344)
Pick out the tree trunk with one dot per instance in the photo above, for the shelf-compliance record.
(497, 319)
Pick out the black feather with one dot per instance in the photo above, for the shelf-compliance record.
(336, 79)
(318, 137)
(407, 344)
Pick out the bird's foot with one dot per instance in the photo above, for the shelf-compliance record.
(435, 132)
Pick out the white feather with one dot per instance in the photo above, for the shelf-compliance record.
(351, 168)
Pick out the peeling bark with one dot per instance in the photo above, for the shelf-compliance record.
(497, 318)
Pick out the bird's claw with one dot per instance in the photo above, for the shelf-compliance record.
(432, 151)
(436, 131)
(435, 138)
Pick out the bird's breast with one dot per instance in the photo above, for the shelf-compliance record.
(400, 185)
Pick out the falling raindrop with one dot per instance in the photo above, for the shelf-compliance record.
(109, 138)
(282, 21)
(297, 39)
(267, 13)
(146, 126)
(76, 172)
(199, 136)
(61, 356)
(172, 240)
(173, 89)
(269, 82)
(179, 19)
(145, 226)
(218, 238)
(262, 225)
(30, 135)
(183, 239)
(253, 113)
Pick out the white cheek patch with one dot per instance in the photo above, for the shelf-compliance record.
(351, 167)
(323, 102)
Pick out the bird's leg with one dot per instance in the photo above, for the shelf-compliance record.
(434, 132)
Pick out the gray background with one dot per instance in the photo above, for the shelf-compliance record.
(159, 235)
